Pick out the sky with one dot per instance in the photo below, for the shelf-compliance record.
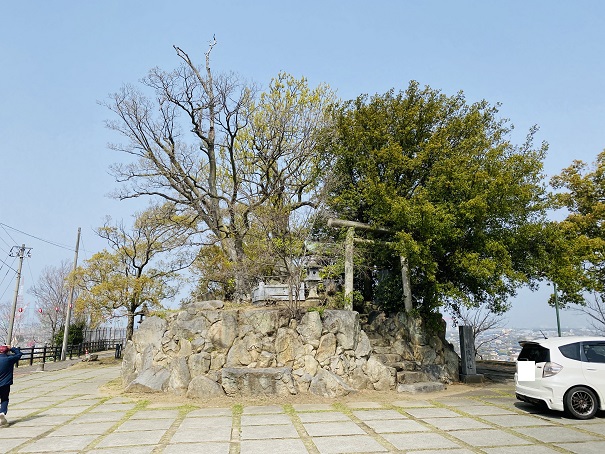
(542, 60)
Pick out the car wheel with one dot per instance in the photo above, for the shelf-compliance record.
(581, 403)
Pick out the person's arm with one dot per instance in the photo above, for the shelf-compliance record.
(17, 353)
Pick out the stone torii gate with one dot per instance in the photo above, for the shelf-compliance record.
(349, 247)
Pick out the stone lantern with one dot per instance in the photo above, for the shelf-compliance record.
(313, 279)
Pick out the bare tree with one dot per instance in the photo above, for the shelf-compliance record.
(483, 322)
(208, 147)
(5, 311)
(595, 309)
(20, 330)
(52, 296)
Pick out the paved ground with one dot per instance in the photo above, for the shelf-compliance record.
(62, 410)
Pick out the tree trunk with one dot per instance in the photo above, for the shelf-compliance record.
(130, 326)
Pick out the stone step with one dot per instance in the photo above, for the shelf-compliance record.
(422, 387)
(388, 358)
(410, 377)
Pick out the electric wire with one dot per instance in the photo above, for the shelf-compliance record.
(34, 236)
(8, 265)
(8, 245)
(7, 285)
(9, 235)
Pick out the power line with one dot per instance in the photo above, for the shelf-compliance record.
(5, 240)
(33, 236)
(9, 235)
(1, 283)
(8, 266)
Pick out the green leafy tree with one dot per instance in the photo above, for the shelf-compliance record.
(140, 267)
(75, 335)
(578, 252)
(466, 205)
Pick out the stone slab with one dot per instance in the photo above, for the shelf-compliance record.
(72, 443)
(285, 446)
(382, 426)
(555, 434)
(433, 412)
(366, 415)
(590, 447)
(323, 416)
(489, 437)
(425, 441)
(206, 448)
(268, 432)
(349, 444)
(333, 428)
(197, 435)
(261, 420)
(459, 423)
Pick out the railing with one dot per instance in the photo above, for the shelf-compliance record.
(46, 353)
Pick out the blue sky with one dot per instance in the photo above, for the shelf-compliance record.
(542, 60)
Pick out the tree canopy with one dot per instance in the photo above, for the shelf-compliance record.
(465, 203)
(139, 268)
(210, 145)
(579, 253)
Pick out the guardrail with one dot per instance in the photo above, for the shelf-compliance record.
(46, 353)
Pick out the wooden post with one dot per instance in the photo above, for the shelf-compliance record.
(405, 269)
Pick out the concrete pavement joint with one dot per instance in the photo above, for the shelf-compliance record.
(165, 440)
(236, 429)
(300, 428)
(441, 432)
(139, 406)
(44, 434)
(447, 422)
(510, 430)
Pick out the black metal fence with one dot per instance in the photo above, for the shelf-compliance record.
(46, 353)
(109, 334)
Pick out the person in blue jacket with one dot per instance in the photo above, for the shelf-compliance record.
(7, 364)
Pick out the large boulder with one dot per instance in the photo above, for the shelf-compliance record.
(223, 332)
(345, 325)
(202, 387)
(327, 384)
(179, 376)
(152, 380)
(129, 371)
(326, 349)
(288, 347)
(310, 328)
(150, 332)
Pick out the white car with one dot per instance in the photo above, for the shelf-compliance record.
(564, 373)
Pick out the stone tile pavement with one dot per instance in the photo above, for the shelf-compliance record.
(63, 411)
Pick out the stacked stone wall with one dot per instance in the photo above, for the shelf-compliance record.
(207, 351)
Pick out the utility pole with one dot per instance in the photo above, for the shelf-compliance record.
(69, 304)
(20, 252)
(554, 285)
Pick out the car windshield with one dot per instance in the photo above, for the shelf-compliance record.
(534, 352)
